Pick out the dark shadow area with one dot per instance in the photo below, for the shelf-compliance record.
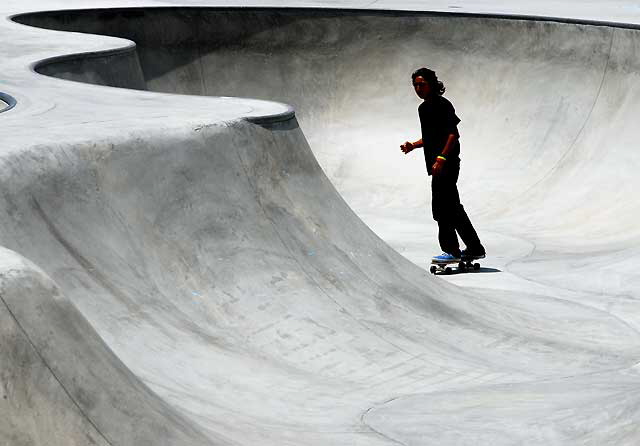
(174, 38)
(488, 270)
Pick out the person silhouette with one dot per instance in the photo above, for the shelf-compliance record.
(441, 143)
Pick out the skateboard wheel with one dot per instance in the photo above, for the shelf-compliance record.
(447, 270)
(476, 266)
(433, 269)
(462, 266)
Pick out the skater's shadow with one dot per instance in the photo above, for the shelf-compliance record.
(487, 270)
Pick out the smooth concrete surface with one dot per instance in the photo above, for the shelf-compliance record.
(179, 269)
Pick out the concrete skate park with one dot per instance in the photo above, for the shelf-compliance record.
(211, 237)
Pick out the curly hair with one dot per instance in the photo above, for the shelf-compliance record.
(431, 78)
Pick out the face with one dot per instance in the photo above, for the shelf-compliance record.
(421, 87)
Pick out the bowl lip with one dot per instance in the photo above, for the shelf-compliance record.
(335, 9)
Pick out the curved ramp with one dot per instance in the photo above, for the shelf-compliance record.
(61, 384)
(225, 272)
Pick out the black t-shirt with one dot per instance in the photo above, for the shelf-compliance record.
(438, 120)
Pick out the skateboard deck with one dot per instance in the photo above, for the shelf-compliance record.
(468, 264)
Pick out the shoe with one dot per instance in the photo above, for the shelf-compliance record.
(468, 254)
(445, 258)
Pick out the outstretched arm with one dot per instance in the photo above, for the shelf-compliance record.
(409, 146)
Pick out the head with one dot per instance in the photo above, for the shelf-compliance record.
(426, 83)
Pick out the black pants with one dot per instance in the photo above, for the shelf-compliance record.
(449, 213)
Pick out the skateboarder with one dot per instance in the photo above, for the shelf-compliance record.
(440, 140)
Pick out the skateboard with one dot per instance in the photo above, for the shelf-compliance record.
(460, 265)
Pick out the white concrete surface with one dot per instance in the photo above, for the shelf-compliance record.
(179, 270)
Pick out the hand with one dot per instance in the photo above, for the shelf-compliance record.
(437, 166)
(407, 147)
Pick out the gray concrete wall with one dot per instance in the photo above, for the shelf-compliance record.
(120, 68)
